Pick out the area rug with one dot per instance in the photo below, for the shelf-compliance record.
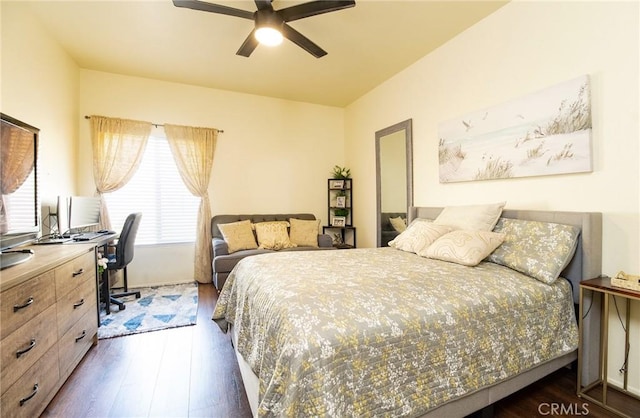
(159, 307)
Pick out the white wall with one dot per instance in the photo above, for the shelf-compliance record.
(273, 157)
(39, 86)
(522, 48)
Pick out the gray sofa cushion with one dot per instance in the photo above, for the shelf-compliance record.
(226, 262)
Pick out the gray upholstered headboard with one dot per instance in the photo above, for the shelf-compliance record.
(587, 261)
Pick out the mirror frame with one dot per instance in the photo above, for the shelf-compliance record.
(407, 127)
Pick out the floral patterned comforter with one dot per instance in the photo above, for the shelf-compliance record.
(382, 332)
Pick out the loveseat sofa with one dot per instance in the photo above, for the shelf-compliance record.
(224, 260)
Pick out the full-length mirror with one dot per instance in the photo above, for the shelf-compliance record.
(394, 180)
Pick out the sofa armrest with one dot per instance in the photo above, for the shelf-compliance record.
(220, 247)
(325, 241)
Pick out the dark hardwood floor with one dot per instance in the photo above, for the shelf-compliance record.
(192, 372)
(180, 372)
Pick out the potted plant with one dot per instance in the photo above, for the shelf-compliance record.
(341, 212)
(341, 172)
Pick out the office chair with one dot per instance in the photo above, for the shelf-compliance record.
(123, 256)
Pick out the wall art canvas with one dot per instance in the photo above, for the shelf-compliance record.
(544, 133)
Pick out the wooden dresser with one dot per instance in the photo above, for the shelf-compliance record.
(48, 322)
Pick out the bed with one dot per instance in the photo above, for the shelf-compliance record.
(385, 332)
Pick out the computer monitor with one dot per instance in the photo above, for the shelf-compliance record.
(83, 212)
(62, 215)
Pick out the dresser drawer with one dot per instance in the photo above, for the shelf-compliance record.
(73, 273)
(31, 393)
(75, 304)
(23, 302)
(23, 348)
(76, 342)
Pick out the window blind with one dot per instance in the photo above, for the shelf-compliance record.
(169, 210)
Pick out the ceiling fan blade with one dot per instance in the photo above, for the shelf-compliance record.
(302, 41)
(248, 46)
(213, 8)
(313, 8)
(264, 5)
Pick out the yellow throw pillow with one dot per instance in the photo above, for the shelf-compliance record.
(273, 235)
(304, 233)
(238, 236)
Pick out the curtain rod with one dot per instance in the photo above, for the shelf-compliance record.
(220, 131)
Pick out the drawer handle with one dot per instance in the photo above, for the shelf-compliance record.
(78, 304)
(79, 272)
(31, 395)
(84, 334)
(16, 308)
(25, 350)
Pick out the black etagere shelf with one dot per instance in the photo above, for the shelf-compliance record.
(340, 213)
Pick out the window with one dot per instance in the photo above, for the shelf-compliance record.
(169, 210)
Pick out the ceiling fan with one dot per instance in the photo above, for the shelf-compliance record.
(271, 25)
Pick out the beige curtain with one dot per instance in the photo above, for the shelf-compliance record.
(192, 150)
(17, 143)
(118, 146)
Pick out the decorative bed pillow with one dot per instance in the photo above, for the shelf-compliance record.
(418, 236)
(304, 233)
(538, 249)
(273, 235)
(398, 224)
(466, 247)
(238, 236)
(479, 217)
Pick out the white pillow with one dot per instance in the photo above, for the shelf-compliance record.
(464, 247)
(418, 236)
(478, 217)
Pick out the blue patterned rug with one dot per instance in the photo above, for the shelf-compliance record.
(159, 307)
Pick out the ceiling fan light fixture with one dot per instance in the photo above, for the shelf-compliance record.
(268, 36)
(270, 25)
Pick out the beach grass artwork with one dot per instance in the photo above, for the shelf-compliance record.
(544, 133)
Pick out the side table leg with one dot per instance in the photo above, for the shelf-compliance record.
(605, 346)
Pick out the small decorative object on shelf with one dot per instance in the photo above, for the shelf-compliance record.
(338, 221)
(336, 184)
(626, 281)
(343, 237)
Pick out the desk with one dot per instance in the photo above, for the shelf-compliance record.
(100, 243)
(590, 391)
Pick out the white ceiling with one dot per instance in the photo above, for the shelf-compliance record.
(366, 44)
